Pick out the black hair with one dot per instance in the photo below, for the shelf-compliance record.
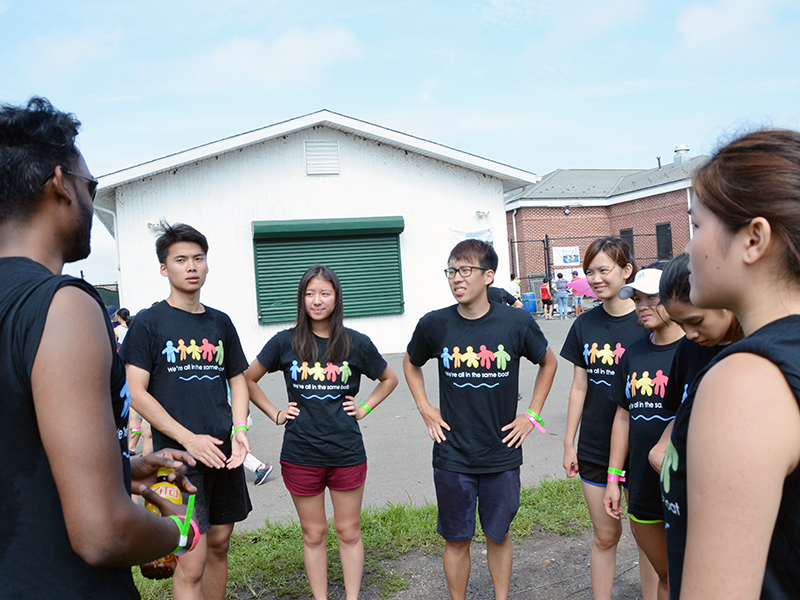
(173, 234)
(124, 315)
(616, 249)
(304, 343)
(674, 283)
(481, 252)
(34, 139)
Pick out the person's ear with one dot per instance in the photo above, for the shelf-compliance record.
(163, 270)
(490, 276)
(758, 238)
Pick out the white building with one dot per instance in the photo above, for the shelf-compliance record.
(380, 207)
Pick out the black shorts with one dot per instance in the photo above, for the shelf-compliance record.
(457, 495)
(595, 474)
(547, 301)
(222, 498)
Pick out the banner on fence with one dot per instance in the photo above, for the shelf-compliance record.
(568, 256)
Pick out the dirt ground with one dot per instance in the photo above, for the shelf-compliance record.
(547, 566)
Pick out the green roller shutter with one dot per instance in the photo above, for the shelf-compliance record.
(365, 253)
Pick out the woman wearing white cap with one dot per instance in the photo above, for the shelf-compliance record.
(640, 420)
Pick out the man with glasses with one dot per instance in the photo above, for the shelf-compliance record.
(63, 397)
(477, 432)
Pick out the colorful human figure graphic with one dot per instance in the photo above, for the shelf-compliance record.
(628, 387)
(671, 463)
(501, 357)
(470, 358)
(685, 392)
(182, 349)
(332, 371)
(606, 355)
(633, 384)
(660, 383)
(593, 353)
(645, 384)
(220, 354)
(170, 351)
(346, 371)
(209, 350)
(586, 353)
(317, 371)
(445, 356)
(304, 370)
(194, 350)
(456, 356)
(618, 352)
(486, 356)
(294, 370)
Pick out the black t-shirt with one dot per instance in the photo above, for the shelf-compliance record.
(32, 528)
(644, 373)
(500, 296)
(323, 434)
(478, 381)
(596, 342)
(690, 359)
(190, 357)
(778, 342)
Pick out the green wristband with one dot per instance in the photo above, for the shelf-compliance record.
(539, 419)
(618, 472)
(366, 407)
(237, 428)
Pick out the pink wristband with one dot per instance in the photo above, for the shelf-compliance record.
(535, 423)
(195, 539)
(240, 423)
(613, 477)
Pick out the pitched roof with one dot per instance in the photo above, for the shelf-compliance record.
(602, 187)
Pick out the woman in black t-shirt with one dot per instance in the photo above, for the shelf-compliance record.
(322, 445)
(743, 446)
(595, 344)
(639, 421)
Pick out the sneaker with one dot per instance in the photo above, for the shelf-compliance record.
(262, 473)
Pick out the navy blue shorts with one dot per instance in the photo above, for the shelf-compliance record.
(221, 498)
(457, 495)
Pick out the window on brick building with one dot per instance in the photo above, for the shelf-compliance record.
(627, 236)
(664, 241)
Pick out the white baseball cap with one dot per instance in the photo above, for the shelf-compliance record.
(646, 281)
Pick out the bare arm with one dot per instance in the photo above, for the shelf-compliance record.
(657, 452)
(388, 381)
(71, 392)
(521, 426)
(616, 459)
(577, 396)
(202, 447)
(240, 405)
(252, 376)
(430, 414)
(744, 439)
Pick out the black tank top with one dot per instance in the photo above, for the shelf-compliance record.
(778, 342)
(32, 528)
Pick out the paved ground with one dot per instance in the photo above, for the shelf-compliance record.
(399, 457)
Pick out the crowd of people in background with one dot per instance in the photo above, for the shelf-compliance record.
(684, 395)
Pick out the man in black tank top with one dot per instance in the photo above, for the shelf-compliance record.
(65, 497)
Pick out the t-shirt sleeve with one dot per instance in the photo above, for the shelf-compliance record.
(419, 350)
(674, 390)
(135, 350)
(571, 350)
(618, 393)
(535, 343)
(373, 363)
(508, 298)
(270, 355)
(235, 360)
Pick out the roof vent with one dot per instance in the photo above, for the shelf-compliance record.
(322, 157)
(682, 155)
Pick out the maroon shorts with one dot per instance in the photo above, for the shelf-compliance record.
(310, 481)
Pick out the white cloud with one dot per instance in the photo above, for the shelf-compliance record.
(62, 55)
(513, 13)
(297, 59)
(729, 27)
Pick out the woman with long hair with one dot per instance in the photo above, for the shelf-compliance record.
(742, 499)
(595, 344)
(322, 362)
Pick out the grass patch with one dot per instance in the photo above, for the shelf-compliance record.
(270, 559)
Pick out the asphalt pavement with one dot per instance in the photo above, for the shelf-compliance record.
(397, 441)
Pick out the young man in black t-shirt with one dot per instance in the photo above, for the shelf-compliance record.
(179, 354)
(477, 430)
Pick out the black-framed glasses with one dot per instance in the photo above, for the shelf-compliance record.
(93, 183)
(464, 271)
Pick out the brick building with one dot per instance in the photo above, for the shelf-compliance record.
(569, 208)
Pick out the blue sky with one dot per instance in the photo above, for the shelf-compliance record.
(538, 85)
